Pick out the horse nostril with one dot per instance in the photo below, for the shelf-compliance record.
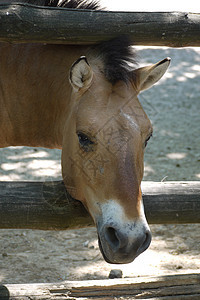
(123, 246)
(111, 237)
(146, 242)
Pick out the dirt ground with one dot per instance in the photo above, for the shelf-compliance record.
(173, 105)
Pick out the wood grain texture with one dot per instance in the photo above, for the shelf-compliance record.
(21, 23)
(161, 287)
(47, 205)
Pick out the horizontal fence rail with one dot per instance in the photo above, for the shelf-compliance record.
(179, 287)
(22, 23)
(47, 205)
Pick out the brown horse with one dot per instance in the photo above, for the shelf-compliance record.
(83, 100)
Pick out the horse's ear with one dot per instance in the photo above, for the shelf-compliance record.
(145, 77)
(81, 74)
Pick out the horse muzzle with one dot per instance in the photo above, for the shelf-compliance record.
(121, 245)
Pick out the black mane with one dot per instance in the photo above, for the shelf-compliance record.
(118, 57)
(77, 4)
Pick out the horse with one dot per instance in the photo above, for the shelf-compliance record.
(84, 100)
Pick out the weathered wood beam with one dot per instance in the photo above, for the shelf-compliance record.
(40, 205)
(172, 202)
(177, 287)
(22, 23)
(46, 205)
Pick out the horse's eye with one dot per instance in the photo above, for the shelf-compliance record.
(85, 142)
(145, 144)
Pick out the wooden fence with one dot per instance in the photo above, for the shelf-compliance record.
(171, 287)
(27, 23)
(47, 205)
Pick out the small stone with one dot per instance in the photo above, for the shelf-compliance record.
(115, 273)
(4, 254)
(178, 267)
(91, 247)
(85, 244)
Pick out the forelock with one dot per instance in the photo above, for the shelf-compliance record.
(118, 57)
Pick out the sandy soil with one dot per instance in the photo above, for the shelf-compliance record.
(173, 105)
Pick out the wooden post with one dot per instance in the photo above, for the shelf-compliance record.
(47, 205)
(21, 23)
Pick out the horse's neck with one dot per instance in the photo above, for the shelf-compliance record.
(34, 94)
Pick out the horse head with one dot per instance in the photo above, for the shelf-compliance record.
(103, 147)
